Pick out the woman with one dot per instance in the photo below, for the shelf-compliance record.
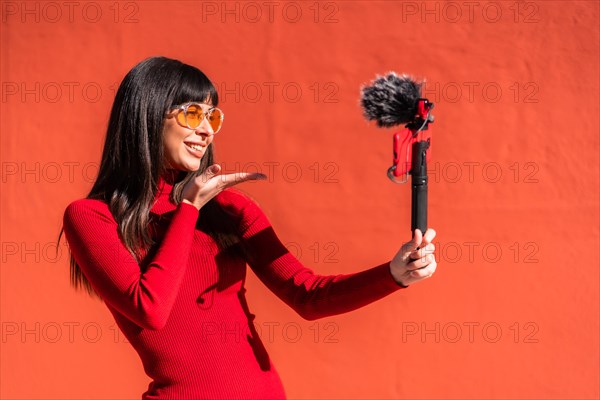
(163, 240)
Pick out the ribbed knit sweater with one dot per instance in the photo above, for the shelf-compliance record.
(183, 308)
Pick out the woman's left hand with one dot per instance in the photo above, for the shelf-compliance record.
(415, 261)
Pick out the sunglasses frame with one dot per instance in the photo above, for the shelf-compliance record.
(184, 107)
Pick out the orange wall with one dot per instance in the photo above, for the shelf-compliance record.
(513, 309)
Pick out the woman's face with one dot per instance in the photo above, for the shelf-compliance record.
(184, 147)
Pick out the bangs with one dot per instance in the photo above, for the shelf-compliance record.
(195, 86)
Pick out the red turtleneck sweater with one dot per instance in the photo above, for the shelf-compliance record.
(184, 308)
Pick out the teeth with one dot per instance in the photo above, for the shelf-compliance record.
(194, 146)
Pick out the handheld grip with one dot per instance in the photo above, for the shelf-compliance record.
(419, 186)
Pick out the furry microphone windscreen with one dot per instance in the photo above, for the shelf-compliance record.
(391, 100)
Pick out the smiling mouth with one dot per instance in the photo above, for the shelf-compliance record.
(196, 147)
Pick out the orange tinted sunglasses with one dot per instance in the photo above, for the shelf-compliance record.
(190, 115)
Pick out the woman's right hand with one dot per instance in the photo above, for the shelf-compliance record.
(207, 185)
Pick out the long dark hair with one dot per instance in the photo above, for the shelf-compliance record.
(132, 158)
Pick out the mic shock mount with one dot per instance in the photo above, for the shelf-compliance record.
(411, 145)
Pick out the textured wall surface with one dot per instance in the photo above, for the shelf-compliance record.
(512, 311)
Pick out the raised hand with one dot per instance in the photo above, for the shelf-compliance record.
(204, 187)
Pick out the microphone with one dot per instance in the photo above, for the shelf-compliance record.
(393, 100)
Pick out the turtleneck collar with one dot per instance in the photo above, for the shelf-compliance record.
(167, 180)
(170, 176)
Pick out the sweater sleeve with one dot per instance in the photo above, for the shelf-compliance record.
(311, 295)
(146, 298)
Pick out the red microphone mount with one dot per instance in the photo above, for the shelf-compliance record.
(411, 155)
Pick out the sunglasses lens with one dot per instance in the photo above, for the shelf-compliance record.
(181, 118)
(194, 116)
(215, 119)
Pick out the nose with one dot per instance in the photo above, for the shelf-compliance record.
(204, 129)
